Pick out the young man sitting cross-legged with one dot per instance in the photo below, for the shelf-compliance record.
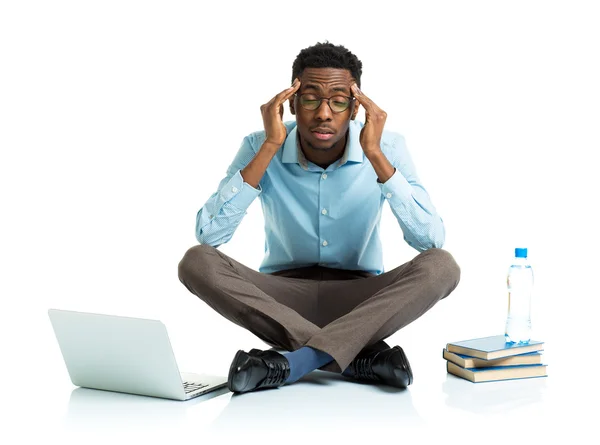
(321, 292)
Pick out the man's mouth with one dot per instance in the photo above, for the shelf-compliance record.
(323, 136)
(323, 133)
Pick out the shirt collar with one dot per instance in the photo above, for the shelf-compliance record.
(292, 153)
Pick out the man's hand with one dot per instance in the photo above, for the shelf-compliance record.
(370, 135)
(272, 113)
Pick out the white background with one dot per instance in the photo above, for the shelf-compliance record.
(119, 118)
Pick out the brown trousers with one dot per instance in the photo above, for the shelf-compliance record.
(336, 311)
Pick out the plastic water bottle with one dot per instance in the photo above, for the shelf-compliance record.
(520, 288)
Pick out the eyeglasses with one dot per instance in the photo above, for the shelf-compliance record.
(338, 104)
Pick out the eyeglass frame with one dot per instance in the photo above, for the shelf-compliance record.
(321, 99)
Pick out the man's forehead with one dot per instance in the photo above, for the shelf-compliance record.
(326, 78)
(326, 74)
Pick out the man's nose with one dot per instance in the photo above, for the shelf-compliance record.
(324, 112)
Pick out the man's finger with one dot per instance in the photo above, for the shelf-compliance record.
(364, 100)
(288, 92)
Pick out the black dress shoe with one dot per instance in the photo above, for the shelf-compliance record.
(389, 366)
(257, 370)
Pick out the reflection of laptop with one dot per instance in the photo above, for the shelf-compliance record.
(124, 354)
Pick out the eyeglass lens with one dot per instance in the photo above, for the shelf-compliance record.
(336, 103)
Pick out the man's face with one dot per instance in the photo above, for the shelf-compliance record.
(326, 83)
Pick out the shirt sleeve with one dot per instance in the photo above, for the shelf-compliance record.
(222, 213)
(422, 226)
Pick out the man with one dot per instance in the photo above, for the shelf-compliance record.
(321, 292)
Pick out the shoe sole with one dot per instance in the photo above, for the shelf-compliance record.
(408, 369)
(232, 369)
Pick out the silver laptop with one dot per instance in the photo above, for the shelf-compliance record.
(123, 354)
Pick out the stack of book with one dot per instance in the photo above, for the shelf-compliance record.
(489, 359)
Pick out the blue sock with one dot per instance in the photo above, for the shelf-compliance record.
(305, 360)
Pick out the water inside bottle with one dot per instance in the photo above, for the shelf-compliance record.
(518, 330)
(518, 321)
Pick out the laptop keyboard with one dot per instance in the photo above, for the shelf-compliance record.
(193, 386)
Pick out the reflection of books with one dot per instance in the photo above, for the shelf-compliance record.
(489, 348)
(498, 397)
(493, 373)
(464, 361)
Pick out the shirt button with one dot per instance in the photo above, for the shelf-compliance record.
(389, 195)
(324, 176)
(234, 189)
(211, 216)
(324, 211)
(325, 243)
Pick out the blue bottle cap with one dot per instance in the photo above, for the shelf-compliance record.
(521, 252)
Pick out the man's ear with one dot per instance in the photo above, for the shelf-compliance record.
(292, 109)
(355, 111)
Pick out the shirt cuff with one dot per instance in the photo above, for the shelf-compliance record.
(396, 189)
(239, 193)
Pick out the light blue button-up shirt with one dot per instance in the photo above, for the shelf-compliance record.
(328, 217)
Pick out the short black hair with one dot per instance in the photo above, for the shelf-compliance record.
(327, 55)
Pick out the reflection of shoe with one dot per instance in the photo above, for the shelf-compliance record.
(389, 366)
(257, 369)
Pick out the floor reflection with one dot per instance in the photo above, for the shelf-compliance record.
(91, 410)
(321, 401)
(493, 397)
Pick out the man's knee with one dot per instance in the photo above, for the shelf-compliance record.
(196, 260)
(441, 267)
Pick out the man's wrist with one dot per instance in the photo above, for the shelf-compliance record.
(372, 151)
(383, 168)
(270, 148)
